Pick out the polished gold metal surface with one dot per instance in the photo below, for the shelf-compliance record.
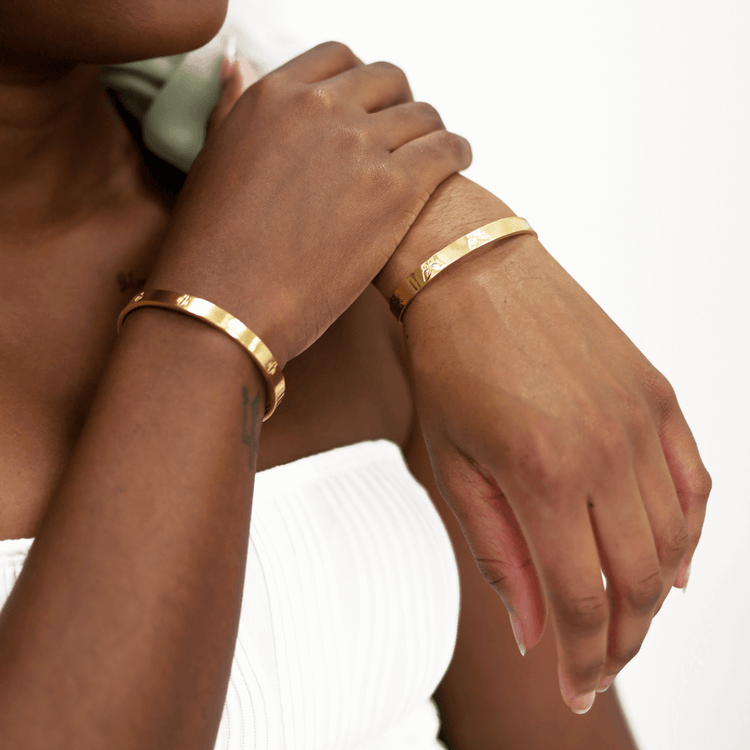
(416, 281)
(224, 321)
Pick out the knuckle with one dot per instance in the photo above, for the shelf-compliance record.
(661, 392)
(643, 595)
(612, 438)
(426, 110)
(354, 137)
(624, 658)
(441, 141)
(588, 674)
(453, 142)
(635, 410)
(494, 572)
(700, 484)
(676, 541)
(544, 464)
(340, 48)
(393, 70)
(585, 612)
(318, 97)
(457, 145)
(502, 574)
(638, 414)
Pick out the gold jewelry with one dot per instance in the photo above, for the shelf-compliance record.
(224, 321)
(416, 281)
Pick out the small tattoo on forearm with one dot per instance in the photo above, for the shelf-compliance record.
(250, 438)
(129, 282)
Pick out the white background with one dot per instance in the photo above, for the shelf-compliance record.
(619, 130)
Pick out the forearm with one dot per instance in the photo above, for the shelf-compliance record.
(121, 628)
(457, 206)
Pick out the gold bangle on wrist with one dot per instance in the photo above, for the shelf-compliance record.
(224, 321)
(434, 265)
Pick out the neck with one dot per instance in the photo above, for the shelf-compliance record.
(64, 151)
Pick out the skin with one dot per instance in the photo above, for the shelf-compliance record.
(66, 158)
(65, 154)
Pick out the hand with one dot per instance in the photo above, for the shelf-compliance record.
(303, 189)
(561, 450)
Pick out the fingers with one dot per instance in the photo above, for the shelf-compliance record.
(430, 159)
(403, 123)
(691, 479)
(323, 61)
(564, 546)
(496, 540)
(377, 86)
(663, 507)
(235, 79)
(635, 571)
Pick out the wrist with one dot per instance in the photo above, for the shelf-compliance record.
(456, 207)
(252, 307)
(478, 274)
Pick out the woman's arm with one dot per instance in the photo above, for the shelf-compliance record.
(121, 627)
(491, 697)
(548, 431)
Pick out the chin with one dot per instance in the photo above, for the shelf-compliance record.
(50, 36)
(160, 28)
(140, 29)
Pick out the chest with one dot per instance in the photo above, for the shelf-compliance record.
(348, 387)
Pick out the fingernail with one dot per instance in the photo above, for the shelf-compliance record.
(515, 623)
(230, 48)
(605, 683)
(228, 60)
(687, 577)
(582, 703)
(579, 704)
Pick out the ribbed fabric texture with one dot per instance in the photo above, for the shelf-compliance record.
(349, 611)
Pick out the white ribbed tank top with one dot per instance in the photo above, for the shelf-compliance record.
(349, 610)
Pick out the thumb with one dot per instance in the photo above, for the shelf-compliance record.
(497, 542)
(235, 78)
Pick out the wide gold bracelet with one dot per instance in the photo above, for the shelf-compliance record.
(224, 321)
(434, 265)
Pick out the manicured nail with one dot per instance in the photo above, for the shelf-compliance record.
(582, 703)
(515, 623)
(605, 682)
(579, 704)
(687, 578)
(230, 49)
(228, 59)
